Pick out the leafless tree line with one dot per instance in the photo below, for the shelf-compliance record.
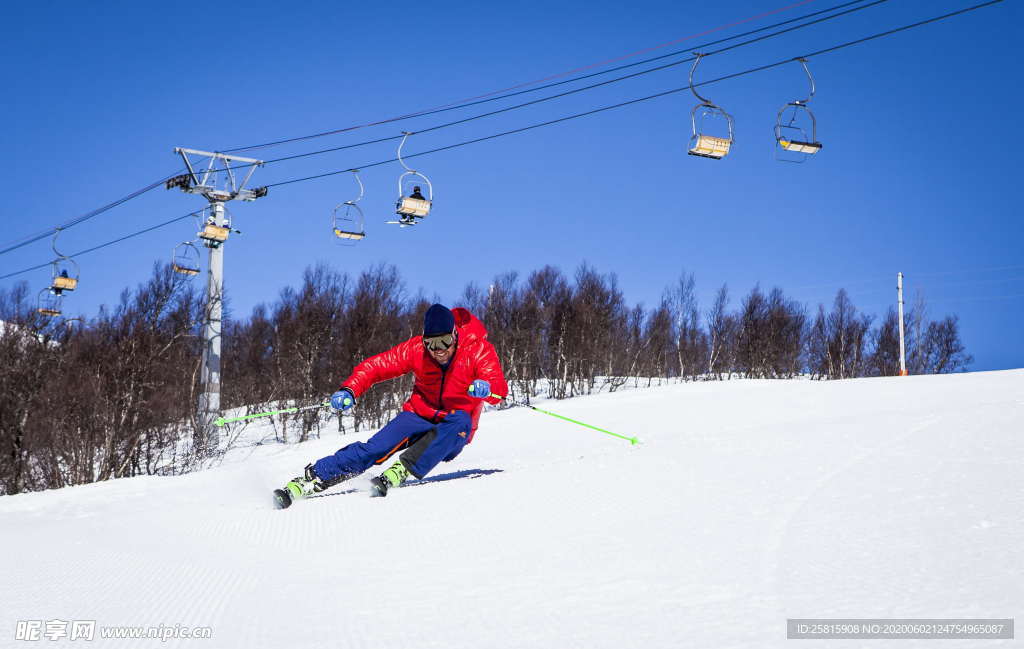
(88, 401)
(115, 395)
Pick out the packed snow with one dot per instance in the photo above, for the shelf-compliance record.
(747, 503)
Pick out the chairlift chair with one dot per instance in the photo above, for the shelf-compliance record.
(49, 303)
(65, 270)
(411, 207)
(211, 234)
(214, 235)
(185, 259)
(65, 275)
(791, 136)
(702, 144)
(347, 220)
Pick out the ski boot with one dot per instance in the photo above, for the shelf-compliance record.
(299, 487)
(393, 476)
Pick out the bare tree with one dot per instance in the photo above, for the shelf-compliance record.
(837, 341)
(721, 327)
(943, 350)
(660, 354)
(551, 292)
(884, 359)
(691, 341)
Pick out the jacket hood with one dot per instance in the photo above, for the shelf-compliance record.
(469, 326)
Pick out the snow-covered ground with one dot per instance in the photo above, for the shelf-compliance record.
(749, 502)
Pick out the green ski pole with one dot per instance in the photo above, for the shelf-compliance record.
(631, 440)
(221, 421)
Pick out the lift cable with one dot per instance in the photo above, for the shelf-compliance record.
(43, 234)
(556, 121)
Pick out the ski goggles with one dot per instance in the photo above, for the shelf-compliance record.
(439, 343)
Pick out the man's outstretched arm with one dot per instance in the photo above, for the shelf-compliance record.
(387, 365)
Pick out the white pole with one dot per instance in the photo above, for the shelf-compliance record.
(903, 350)
(208, 406)
(209, 395)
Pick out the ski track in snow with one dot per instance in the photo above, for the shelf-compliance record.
(748, 502)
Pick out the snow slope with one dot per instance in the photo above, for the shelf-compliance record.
(748, 502)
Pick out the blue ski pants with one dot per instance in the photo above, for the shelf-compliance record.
(424, 442)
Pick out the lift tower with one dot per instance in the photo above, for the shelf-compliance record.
(214, 234)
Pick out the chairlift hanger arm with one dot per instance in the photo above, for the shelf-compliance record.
(405, 136)
(359, 180)
(696, 61)
(810, 80)
(53, 245)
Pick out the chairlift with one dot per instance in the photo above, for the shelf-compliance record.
(412, 204)
(50, 303)
(64, 270)
(791, 136)
(185, 259)
(347, 220)
(214, 235)
(702, 143)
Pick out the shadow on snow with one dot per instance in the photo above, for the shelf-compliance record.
(444, 477)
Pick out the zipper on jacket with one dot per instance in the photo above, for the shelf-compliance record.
(440, 395)
(444, 375)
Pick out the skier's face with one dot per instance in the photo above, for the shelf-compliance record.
(442, 356)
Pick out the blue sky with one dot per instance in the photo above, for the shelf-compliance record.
(920, 135)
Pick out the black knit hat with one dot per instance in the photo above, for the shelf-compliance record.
(438, 320)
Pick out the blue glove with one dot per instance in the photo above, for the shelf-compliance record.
(480, 389)
(343, 400)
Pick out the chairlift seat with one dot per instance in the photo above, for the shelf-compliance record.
(65, 283)
(414, 207)
(47, 311)
(800, 147)
(346, 234)
(214, 233)
(709, 146)
(184, 270)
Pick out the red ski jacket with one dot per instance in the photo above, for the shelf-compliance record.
(437, 392)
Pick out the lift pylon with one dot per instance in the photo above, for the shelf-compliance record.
(205, 181)
(214, 234)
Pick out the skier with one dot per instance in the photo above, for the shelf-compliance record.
(416, 194)
(57, 290)
(456, 371)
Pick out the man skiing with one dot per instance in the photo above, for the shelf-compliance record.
(456, 371)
